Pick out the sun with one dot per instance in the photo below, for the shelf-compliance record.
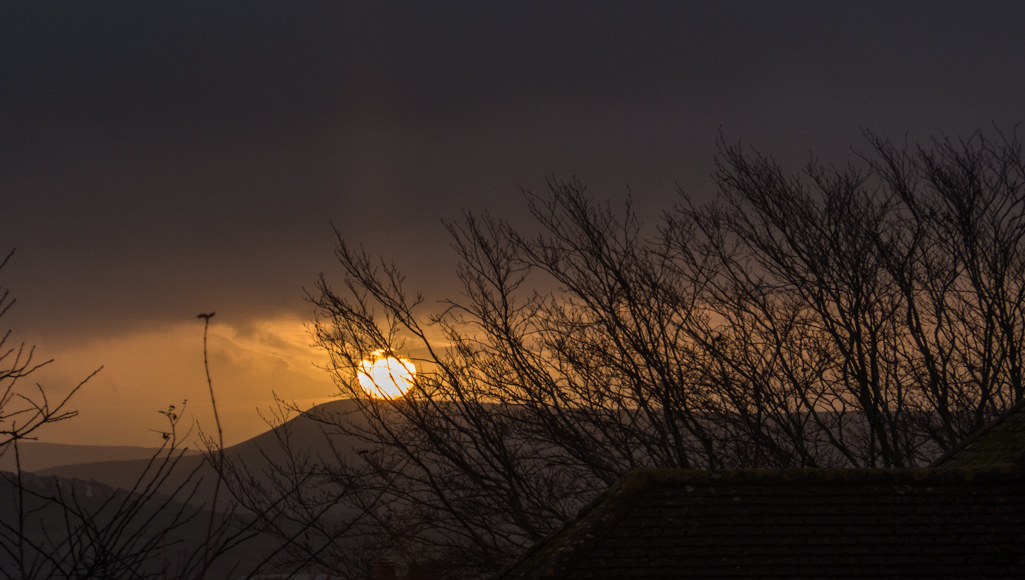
(386, 377)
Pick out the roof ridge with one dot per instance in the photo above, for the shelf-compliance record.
(594, 519)
(982, 432)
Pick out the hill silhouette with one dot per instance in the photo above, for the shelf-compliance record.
(138, 534)
(37, 456)
(303, 435)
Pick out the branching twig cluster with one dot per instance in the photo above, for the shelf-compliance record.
(864, 316)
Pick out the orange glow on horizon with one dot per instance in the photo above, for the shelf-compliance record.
(386, 377)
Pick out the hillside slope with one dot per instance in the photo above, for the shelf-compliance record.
(303, 435)
(37, 456)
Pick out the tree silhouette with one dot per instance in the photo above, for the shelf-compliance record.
(156, 528)
(863, 316)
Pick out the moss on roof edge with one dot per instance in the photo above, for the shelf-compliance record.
(951, 457)
(991, 473)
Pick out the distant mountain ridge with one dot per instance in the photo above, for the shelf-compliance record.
(37, 456)
(304, 435)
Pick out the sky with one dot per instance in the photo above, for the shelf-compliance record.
(159, 160)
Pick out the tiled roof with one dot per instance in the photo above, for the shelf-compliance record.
(1002, 441)
(859, 523)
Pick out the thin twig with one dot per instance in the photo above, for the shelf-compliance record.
(220, 449)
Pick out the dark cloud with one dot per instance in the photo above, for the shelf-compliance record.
(158, 159)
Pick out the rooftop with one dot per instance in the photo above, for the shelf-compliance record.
(1001, 441)
(865, 523)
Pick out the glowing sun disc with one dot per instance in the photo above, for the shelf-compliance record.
(386, 377)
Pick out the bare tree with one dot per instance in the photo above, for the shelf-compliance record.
(882, 303)
(869, 315)
(157, 528)
(23, 411)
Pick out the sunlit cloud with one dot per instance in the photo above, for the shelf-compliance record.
(144, 372)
